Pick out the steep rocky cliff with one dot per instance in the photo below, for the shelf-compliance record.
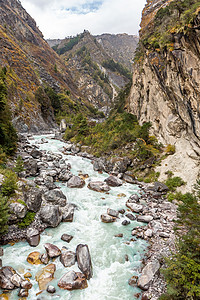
(166, 80)
(29, 63)
(97, 73)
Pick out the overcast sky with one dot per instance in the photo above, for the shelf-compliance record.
(62, 18)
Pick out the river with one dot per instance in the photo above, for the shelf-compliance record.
(110, 268)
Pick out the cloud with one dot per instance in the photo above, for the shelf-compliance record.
(66, 18)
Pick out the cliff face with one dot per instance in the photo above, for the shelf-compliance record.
(30, 63)
(166, 85)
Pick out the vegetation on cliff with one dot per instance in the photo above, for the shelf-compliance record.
(183, 271)
(8, 136)
(177, 17)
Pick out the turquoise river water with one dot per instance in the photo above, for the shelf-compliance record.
(111, 270)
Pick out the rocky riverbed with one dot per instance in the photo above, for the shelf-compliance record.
(137, 205)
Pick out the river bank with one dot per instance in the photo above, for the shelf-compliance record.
(155, 211)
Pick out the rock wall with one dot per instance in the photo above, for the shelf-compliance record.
(166, 91)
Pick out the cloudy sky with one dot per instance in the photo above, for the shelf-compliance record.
(61, 18)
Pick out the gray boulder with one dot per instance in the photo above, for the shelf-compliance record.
(113, 181)
(6, 274)
(135, 207)
(112, 213)
(66, 237)
(73, 281)
(50, 215)
(159, 187)
(30, 165)
(52, 250)
(84, 260)
(18, 209)
(33, 237)
(67, 212)
(36, 153)
(67, 258)
(33, 198)
(51, 289)
(65, 175)
(16, 279)
(98, 186)
(144, 219)
(148, 274)
(75, 182)
(107, 219)
(55, 197)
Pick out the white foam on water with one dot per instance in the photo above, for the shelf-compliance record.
(111, 270)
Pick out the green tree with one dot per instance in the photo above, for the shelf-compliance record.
(9, 184)
(4, 213)
(19, 167)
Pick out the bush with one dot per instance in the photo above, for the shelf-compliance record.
(170, 149)
(27, 220)
(19, 167)
(4, 214)
(173, 182)
(9, 184)
(183, 268)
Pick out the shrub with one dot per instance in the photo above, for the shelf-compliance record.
(170, 149)
(4, 213)
(174, 182)
(19, 167)
(27, 220)
(9, 184)
(183, 268)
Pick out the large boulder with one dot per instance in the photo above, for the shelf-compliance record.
(56, 197)
(75, 182)
(33, 198)
(159, 187)
(113, 181)
(84, 260)
(45, 275)
(107, 219)
(148, 274)
(134, 207)
(30, 165)
(6, 274)
(66, 237)
(98, 186)
(36, 153)
(18, 209)
(65, 175)
(33, 237)
(144, 219)
(50, 215)
(112, 213)
(67, 258)
(67, 212)
(52, 250)
(34, 258)
(73, 281)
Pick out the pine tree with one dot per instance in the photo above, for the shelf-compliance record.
(4, 213)
(19, 167)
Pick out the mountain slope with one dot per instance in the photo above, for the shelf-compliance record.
(97, 75)
(30, 63)
(166, 80)
(120, 47)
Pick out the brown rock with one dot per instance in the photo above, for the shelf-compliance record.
(45, 275)
(52, 250)
(73, 281)
(34, 258)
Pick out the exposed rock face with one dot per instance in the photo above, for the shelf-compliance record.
(166, 93)
(148, 274)
(50, 215)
